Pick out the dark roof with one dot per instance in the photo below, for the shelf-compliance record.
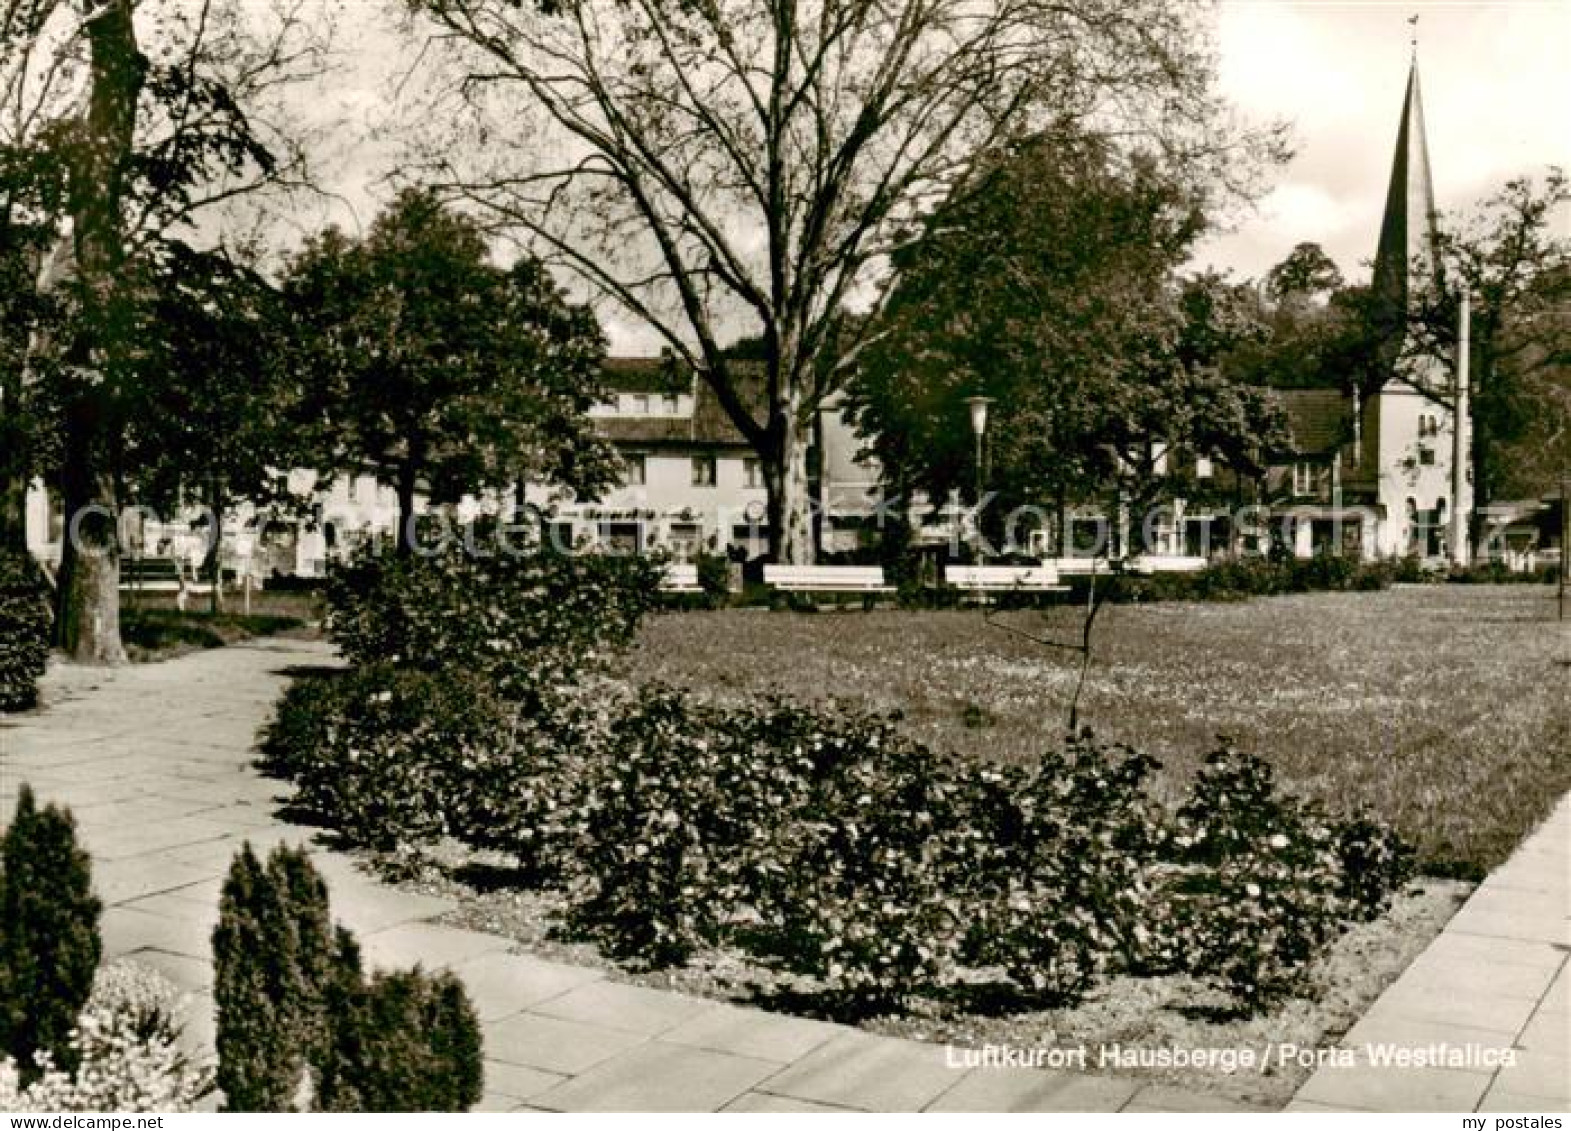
(708, 426)
(645, 375)
(1319, 420)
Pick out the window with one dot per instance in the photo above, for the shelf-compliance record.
(354, 488)
(622, 537)
(1303, 479)
(640, 404)
(635, 469)
(752, 474)
(1426, 457)
(672, 403)
(685, 539)
(703, 471)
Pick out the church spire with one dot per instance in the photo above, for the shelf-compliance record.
(1407, 258)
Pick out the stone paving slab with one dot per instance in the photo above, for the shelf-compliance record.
(504, 984)
(872, 1073)
(660, 1077)
(1495, 978)
(753, 1033)
(629, 1009)
(1025, 1090)
(554, 1045)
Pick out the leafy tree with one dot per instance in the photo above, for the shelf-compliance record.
(752, 165)
(144, 113)
(212, 408)
(1048, 283)
(1307, 273)
(1511, 256)
(435, 366)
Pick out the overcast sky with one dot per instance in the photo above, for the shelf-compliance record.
(1496, 82)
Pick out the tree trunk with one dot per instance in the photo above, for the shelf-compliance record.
(88, 614)
(13, 512)
(213, 565)
(405, 486)
(790, 494)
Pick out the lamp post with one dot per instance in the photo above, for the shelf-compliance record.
(979, 406)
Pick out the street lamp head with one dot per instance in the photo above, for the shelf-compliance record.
(979, 413)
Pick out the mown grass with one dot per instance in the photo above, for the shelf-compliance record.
(153, 629)
(1443, 709)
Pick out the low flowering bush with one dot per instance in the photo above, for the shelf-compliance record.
(859, 885)
(25, 622)
(1067, 849)
(126, 1047)
(1259, 881)
(522, 620)
(394, 751)
(1374, 863)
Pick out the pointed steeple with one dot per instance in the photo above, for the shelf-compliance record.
(1407, 259)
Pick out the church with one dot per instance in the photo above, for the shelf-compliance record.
(1388, 475)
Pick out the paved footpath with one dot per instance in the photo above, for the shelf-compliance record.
(155, 762)
(1496, 978)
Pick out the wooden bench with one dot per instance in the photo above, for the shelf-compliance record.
(1167, 563)
(1004, 579)
(1079, 567)
(827, 579)
(681, 577)
(158, 575)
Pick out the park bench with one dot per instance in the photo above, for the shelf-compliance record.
(157, 575)
(681, 577)
(868, 581)
(1004, 578)
(1079, 567)
(1149, 564)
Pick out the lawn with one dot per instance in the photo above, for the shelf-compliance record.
(1444, 709)
(154, 629)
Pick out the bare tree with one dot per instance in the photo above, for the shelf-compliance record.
(736, 167)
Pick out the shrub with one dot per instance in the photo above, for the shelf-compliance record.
(1374, 863)
(299, 1027)
(522, 620)
(1260, 880)
(49, 941)
(818, 828)
(127, 1048)
(1061, 888)
(864, 897)
(273, 956)
(291, 741)
(25, 623)
(714, 578)
(406, 1041)
(389, 763)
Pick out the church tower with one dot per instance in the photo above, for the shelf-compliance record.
(1411, 415)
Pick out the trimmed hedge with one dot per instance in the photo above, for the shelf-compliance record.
(521, 620)
(25, 624)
